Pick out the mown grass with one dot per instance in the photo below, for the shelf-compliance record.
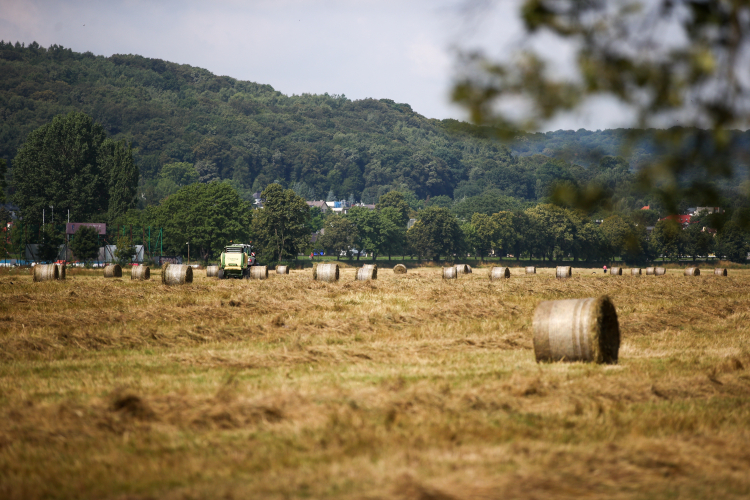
(405, 387)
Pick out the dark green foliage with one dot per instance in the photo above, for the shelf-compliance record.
(397, 201)
(85, 244)
(281, 227)
(340, 235)
(49, 247)
(125, 250)
(733, 242)
(3, 183)
(436, 233)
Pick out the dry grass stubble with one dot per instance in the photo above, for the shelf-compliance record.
(409, 386)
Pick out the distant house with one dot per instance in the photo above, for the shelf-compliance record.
(322, 205)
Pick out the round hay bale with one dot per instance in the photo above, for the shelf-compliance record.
(46, 272)
(564, 272)
(720, 271)
(615, 271)
(692, 271)
(141, 273)
(176, 274)
(635, 272)
(282, 269)
(113, 271)
(576, 330)
(450, 273)
(367, 273)
(531, 270)
(212, 271)
(499, 273)
(315, 271)
(468, 269)
(61, 271)
(259, 273)
(660, 271)
(399, 269)
(326, 272)
(462, 269)
(650, 271)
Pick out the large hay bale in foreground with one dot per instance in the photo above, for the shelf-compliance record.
(367, 273)
(399, 269)
(141, 273)
(46, 272)
(650, 271)
(615, 271)
(326, 272)
(720, 271)
(176, 274)
(258, 273)
(450, 273)
(499, 273)
(113, 271)
(212, 271)
(61, 271)
(563, 272)
(576, 330)
(531, 270)
(635, 272)
(692, 271)
(660, 271)
(282, 269)
(462, 269)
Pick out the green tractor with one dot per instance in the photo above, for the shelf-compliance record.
(236, 261)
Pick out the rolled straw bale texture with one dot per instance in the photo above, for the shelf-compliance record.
(531, 270)
(142, 273)
(259, 273)
(46, 272)
(720, 271)
(498, 273)
(650, 271)
(372, 266)
(692, 271)
(367, 273)
(635, 272)
(615, 271)
(564, 272)
(60, 271)
(176, 274)
(113, 271)
(315, 271)
(462, 269)
(212, 271)
(660, 271)
(399, 269)
(468, 269)
(326, 272)
(282, 269)
(450, 273)
(576, 330)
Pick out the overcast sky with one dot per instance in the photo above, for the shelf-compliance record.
(401, 50)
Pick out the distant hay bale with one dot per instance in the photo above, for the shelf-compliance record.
(499, 273)
(635, 272)
(576, 330)
(692, 271)
(660, 271)
(176, 274)
(46, 272)
(468, 269)
(399, 269)
(720, 271)
(326, 272)
(212, 271)
(531, 270)
(259, 273)
(450, 273)
(615, 271)
(462, 269)
(113, 271)
(367, 272)
(141, 273)
(61, 271)
(650, 271)
(564, 272)
(282, 269)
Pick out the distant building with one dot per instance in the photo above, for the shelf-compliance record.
(322, 205)
(647, 207)
(411, 223)
(707, 210)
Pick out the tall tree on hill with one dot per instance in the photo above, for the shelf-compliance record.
(436, 233)
(282, 224)
(70, 164)
(396, 200)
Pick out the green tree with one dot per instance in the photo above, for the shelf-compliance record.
(85, 244)
(369, 235)
(622, 238)
(435, 233)
(396, 200)
(339, 235)
(698, 243)
(49, 246)
(125, 250)
(485, 234)
(392, 231)
(208, 216)
(281, 226)
(69, 163)
(733, 242)
(555, 229)
(666, 238)
(590, 242)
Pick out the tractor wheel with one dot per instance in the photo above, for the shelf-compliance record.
(221, 274)
(246, 274)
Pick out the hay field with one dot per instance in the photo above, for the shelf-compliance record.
(405, 387)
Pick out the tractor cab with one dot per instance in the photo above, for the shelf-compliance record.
(236, 260)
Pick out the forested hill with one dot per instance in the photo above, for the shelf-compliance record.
(320, 145)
